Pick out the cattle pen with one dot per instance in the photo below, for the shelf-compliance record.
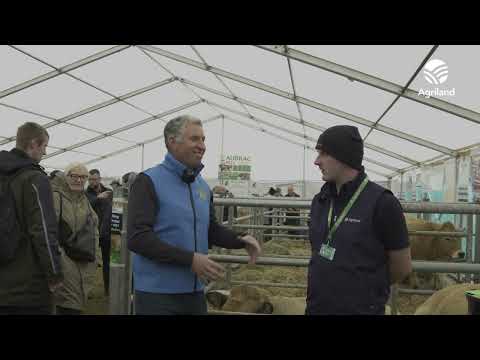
(121, 299)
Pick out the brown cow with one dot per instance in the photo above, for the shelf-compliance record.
(252, 299)
(431, 248)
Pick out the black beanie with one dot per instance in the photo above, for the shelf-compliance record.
(344, 143)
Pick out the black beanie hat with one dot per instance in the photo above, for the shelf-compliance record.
(344, 143)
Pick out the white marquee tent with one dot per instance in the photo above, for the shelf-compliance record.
(106, 106)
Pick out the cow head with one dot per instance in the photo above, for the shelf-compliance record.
(448, 247)
(248, 299)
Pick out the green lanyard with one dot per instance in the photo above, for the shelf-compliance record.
(345, 210)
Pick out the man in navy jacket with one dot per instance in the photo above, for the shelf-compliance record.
(357, 230)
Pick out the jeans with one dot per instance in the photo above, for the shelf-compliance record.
(105, 245)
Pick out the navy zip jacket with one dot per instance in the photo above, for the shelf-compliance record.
(357, 280)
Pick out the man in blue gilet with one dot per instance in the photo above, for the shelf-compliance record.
(171, 225)
(358, 233)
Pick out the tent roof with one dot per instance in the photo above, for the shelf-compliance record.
(107, 105)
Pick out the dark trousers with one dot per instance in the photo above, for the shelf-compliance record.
(372, 310)
(24, 310)
(105, 246)
(67, 311)
(268, 232)
(292, 222)
(170, 304)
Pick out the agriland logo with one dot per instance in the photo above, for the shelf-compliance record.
(436, 72)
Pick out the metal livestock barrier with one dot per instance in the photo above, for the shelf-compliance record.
(469, 210)
(121, 297)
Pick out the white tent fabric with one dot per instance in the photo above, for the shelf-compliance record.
(107, 105)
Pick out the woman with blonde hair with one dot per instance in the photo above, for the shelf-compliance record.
(78, 238)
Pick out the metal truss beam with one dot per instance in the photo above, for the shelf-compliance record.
(290, 141)
(123, 150)
(124, 128)
(301, 100)
(62, 70)
(98, 106)
(296, 120)
(306, 137)
(373, 81)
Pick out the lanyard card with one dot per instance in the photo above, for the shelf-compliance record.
(327, 252)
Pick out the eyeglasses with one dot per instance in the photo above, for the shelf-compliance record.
(78, 177)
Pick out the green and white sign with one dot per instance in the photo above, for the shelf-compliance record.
(235, 167)
(235, 172)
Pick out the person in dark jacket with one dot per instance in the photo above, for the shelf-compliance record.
(28, 281)
(127, 181)
(171, 225)
(101, 200)
(222, 192)
(292, 212)
(272, 192)
(358, 233)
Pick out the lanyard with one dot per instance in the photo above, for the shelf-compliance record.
(344, 212)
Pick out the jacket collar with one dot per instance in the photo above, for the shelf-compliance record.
(25, 160)
(21, 154)
(329, 189)
(102, 188)
(177, 167)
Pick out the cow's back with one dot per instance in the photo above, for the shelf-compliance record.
(288, 305)
(448, 301)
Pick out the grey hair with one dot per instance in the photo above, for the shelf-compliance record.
(75, 166)
(176, 126)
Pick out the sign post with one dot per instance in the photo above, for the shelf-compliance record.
(116, 227)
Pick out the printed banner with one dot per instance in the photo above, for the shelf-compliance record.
(235, 167)
(464, 182)
(475, 175)
(235, 172)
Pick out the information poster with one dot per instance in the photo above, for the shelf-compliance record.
(464, 179)
(234, 172)
(475, 175)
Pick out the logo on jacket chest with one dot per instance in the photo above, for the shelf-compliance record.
(202, 194)
(351, 220)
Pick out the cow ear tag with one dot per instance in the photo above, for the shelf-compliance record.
(327, 252)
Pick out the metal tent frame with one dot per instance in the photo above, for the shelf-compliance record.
(252, 121)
